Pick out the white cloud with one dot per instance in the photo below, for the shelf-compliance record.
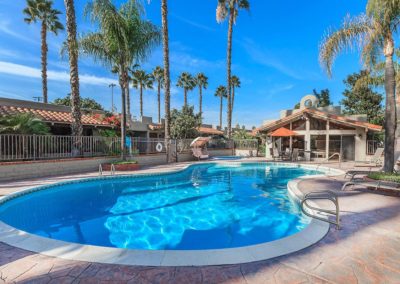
(61, 76)
(192, 23)
(5, 27)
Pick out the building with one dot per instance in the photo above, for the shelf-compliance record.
(59, 120)
(320, 132)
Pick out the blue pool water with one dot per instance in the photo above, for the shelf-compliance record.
(206, 206)
(227, 158)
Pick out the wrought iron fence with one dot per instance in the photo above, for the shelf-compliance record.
(372, 145)
(35, 147)
(14, 147)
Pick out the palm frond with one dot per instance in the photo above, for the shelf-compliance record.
(353, 34)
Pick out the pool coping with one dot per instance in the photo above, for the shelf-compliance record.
(311, 234)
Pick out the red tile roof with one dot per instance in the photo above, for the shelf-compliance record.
(320, 114)
(210, 131)
(52, 116)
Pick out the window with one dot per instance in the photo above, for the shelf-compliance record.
(317, 124)
(299, 124)
(337, 126)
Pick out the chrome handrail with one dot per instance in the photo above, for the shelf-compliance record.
(100, 170)
(112, 172)
(322, 195)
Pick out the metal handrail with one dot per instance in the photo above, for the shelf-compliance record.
(112, 172)
(100, 170)
(316, 195)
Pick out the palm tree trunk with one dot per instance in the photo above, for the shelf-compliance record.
(390, 111)
(185, 96)
(200, 102)
(76, 126)
(220, 114)
(233, 99)
(128, 102)
(167, 102)
(141, 100)
(122, 83)
(397, 134)
(44, 61)
(159, 100)
(228, 67)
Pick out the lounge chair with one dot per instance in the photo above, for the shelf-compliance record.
(375, 161)
(376, 184)
(200, 153)
(275, 154)
(354, 173)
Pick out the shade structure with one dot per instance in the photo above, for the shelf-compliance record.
(199, 142)
(283, 132)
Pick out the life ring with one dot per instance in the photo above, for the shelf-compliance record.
(159, 147)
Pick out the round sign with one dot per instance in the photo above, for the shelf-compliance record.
(159, 147)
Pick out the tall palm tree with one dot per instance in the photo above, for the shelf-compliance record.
(235, 83)
(72, 45)
(158, 75)
(225, 9)
(201, 82)
(373, 33)
(123, 39)
(222, 93)
(187, 82)
(42, 11)
(142, 81)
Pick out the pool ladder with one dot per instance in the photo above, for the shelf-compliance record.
(322, 195)
(112, 171)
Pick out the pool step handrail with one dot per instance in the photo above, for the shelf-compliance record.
(100, 170)
(322, 195)
(112, 171)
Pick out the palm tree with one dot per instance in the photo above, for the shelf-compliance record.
(230, 8)
(25, 123)
(187, 82)
(72, 45)
(42, 10)
(201, 82)
(373, 33)
(142, 81)
(222, 93)
(158, 75)
(235, 83)
(123, 39)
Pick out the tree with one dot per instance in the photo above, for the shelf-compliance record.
(230, 8)
(123, 38)
(25, 123)
(158, 76)
(187, 83)
(86, 103)
(323, 97)
(42, 10)
(184, 123)
(221, 92)
(142, 81)
(297, 106)
(201, 82)
(373, 34)
(235, 83)
(241, 134)
(362, 99)
(72, 46)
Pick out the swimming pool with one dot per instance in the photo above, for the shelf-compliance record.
(227, 158)
(206, 206)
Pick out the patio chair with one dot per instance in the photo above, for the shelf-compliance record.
(375, 161)
(200, 153)
(295, 155)
(276, 155)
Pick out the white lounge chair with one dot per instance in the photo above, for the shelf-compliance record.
(200, 153)
(375, 161)
(199, 148)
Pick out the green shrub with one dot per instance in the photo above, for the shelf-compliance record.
(385, 176)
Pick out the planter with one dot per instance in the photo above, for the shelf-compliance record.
(121, 167)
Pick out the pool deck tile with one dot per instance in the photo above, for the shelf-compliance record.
(365, 250)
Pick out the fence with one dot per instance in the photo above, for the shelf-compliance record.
(372, 145)
(14, 147)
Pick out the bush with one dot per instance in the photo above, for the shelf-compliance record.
(392, 177)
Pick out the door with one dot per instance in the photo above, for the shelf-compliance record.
(348, 148)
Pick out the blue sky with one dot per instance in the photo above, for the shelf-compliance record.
(275, 54)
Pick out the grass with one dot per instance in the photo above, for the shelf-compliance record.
(125, 162)
(392, 177)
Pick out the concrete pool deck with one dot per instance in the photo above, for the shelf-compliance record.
(367, 249)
